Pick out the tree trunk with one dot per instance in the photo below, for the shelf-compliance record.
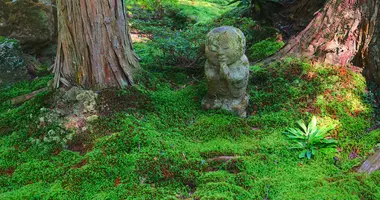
(345, 32)
(94, 46)
(372, 63)
(339, 34)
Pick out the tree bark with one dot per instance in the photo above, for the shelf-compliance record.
(94, 46)
(342, 33)
(372, 63)
(23, 98)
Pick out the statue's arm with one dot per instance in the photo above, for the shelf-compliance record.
(239, 78)
(210, 70)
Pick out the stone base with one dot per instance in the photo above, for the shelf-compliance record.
(372, 163)
(237, 106)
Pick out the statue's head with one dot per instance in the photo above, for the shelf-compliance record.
(225, 44)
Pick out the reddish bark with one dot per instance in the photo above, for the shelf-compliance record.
(23, 98)
(94, 45)
(339, 34)
(345, 32)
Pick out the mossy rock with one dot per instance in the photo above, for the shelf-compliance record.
(33, 23)
(12, 64)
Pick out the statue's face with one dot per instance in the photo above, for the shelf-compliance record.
(224, 47)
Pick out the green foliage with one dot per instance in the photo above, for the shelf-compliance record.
(310, 138)
(264, 49)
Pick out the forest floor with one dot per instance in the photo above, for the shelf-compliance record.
(156, 142)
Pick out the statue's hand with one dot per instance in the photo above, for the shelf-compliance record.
(224, 70)
(222, 59)
(223, 65)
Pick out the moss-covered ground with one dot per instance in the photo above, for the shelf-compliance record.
(162, 145)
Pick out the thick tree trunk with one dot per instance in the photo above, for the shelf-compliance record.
(339, 34)
(372, 61)
(94, 46)
(345, 32)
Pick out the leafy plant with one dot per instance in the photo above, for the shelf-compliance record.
(310, 138)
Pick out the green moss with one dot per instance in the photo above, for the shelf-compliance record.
(38, 190)
(210, 127)
(217, 176)
(204, 11)
(221, 190)
(165, 152)
(13, 118)
(264, 49)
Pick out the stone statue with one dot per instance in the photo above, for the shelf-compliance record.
(226, 70)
